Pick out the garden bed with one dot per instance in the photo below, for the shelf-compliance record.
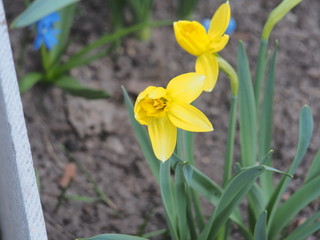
(97, 136)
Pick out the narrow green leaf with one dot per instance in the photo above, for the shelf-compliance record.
(314, 169)
(168, 199)
(211, 191)
(187, 172)
(29, 80)
(154, 233)
(266, 123)
(305, 133)
(113, 237)
(260, 230)
(257, 201)
(188, 146)
(306, 229)
(64, 25)
(142, 137)
(266, 119)
(181, 199)
(205, 186)
(248, 116)
(72, 86)
(260, 71)
(305, 232)
(300, 199)
(39, 9)
(271, 169)
(82, 198)
(235, 191)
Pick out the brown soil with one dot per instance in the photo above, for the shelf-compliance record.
(97, 134)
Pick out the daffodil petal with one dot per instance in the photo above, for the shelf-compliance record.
(189, 118)
(218, 44)
(191, 36)
(163, 135)
(186, 87)
(220, 21)
(207, 65)
(140, 117)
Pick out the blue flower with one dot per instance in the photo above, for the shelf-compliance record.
(206, 23)
(46, 33)
(231, 27)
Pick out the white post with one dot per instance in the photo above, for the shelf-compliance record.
(21, 215)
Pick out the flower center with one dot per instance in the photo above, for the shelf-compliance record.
(154, 107)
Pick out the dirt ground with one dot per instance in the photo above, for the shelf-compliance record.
(98, 136)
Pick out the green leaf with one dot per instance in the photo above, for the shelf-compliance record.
(260, 231)
(260, 71)
(235, 191)
(39, 9)
(257, 202)
(168, 198)
(113, 237)
(82, 198)
(248, 116)
(187, 172)
(305, 133)
(142, 137)
(72, 86)
(301, 198)
(266, 123)
(271, 169)
(306, 229)
(181, 199)
(187, 145)
(29, 80)
(154, 233)
(211, 191)
(64, 25)
(314, 169)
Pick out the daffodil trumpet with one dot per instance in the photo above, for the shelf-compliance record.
(164, 110)
(193, 37)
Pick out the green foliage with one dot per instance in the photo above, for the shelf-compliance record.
(185, 8)
(55, 70)
(39, 9)
(113, 237)
(247, 108)
(29, 80)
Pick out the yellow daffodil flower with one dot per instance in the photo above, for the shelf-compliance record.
(164, 110)
(193, 38)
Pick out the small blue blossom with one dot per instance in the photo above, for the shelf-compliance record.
(231, 27)
(46, 33)
(206, 23)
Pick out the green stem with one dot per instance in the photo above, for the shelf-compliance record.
(231, 73)
(234, 85)
(230, 140)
